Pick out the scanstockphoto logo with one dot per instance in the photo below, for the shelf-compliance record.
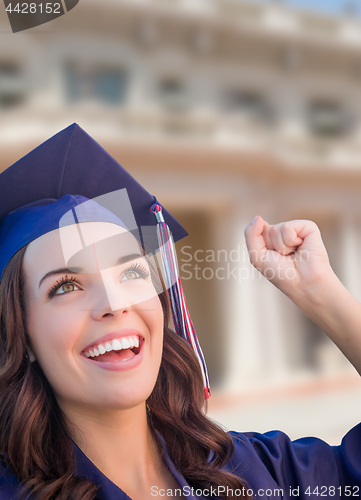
(25, 15)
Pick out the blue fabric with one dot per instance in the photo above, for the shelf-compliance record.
(24, 225)
(269, 463)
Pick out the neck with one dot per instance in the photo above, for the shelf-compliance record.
(121, 444)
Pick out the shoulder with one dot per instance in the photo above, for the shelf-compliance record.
(272, 459)
(9, 483)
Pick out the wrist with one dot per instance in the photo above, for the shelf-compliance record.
(322, 293)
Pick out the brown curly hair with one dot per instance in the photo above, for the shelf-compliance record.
(34, 437)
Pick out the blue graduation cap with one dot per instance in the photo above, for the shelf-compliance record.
(70, 178)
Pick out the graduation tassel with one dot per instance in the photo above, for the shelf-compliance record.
(182, 321)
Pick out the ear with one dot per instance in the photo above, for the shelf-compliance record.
(31, 354)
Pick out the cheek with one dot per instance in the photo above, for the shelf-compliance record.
(51, 333)
(158, 319)
(154, 316)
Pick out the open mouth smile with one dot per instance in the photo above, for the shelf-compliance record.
(119, 353)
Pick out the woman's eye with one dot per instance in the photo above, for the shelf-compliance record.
(63, 286)
(136, 272)
(66, 288)
(131, 275)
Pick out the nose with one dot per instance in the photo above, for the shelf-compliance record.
(101, 309)
(104, 312)
(108, 301)
(112, 295)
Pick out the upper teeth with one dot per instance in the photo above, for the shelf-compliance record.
(113, 345)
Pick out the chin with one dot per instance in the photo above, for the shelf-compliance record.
(126, 399)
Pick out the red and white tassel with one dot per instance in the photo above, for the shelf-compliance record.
(182, 321)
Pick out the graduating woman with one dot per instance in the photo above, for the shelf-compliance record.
(99, 398)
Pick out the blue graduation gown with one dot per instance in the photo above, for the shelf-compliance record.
(272, 465)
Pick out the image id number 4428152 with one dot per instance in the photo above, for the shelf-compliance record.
(33, 8)
(331, 491)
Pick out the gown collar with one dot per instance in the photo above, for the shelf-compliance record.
(110, 491)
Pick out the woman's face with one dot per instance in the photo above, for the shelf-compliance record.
(68, 314)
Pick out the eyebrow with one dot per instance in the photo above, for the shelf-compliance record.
(77, 270)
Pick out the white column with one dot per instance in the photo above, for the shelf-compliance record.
(244, 360)
(273, 331)
(350, 255)
(256, 329)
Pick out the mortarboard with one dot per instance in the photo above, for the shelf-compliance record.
(70, 178)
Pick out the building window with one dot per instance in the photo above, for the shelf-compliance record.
(103, 84)
(11, 85)
(327, 119)
(249, 104)
(73, 83)
(110, 85)
(172, 94)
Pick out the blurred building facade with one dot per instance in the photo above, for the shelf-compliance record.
(224, 109)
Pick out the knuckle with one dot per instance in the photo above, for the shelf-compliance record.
(315, 226)
(287, 233)
(252, 258)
